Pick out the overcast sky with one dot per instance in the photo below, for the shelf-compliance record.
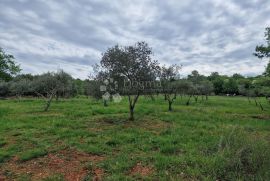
(207, 35)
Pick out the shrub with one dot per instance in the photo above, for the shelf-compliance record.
(4, 89)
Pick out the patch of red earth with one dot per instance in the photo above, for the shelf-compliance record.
(98, 173)
(139, 169)
(2, 178)
(69, 163)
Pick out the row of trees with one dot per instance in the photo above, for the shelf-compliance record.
(23, 84)
(47, 86)
(134, 64)
(62, 85)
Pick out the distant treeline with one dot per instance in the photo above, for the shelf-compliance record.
(132, 71)
(63, 85)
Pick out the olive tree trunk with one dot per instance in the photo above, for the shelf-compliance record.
(132, 103)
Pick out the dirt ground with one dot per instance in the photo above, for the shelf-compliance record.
(73, 165)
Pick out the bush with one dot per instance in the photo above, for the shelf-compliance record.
(21, 88)
(4, 89)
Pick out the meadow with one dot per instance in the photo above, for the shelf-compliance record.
(224, 138)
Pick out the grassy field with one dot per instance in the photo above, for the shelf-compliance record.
(224, 138)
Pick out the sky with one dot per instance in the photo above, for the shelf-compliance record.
(206, 35)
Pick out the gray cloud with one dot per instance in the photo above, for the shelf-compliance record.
(207, 35)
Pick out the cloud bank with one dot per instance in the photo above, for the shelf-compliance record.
(207, 35)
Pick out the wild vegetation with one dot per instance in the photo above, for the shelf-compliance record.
(134, 119)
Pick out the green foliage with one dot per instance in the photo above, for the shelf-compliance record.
(237, 76)
(58, 82)
(263, 51)
(21, 87)
(205, 87)
(267, 70)
(54, 178)
(240, 155)
(79, 86)
(2, 142)
(130, 63)
(218, 85)
(195, 77)
(230, 86)
(8, 67)
(4, 89)
(3, 156)
(33, 153)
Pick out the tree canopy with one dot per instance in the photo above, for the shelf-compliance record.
(8, 67)
(263, 51)
(133, 64)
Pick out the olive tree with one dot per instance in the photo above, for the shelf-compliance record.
(45, 85)
(168, 78)
(193, 91)
(98, 87)
(132, 64)
(101, 84)
(92, 88)
(21, 87)
(50, 84)
(205, 88)
(65, 84)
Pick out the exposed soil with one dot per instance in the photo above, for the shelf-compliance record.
(98, 173)
(2, 178)
(72, 164)
(139, 169)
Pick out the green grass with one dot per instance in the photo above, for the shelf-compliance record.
(224, 138)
